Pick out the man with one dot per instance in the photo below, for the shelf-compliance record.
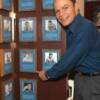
(28, 87)
(51, 26)
(83, 54)
(50, 59)
(27, 26)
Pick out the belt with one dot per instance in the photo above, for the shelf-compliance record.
(89, 74)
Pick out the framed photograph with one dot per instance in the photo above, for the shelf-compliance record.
(28, 89)
(51, 29)
(99, 29)
(8, 62)
(49, 58)
(28, 60)
(47, 4)
(6, 4)
(9, 90)
(27, 5)
(7, 29)
(27, 29)
(96, 15)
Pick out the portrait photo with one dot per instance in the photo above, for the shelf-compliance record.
(27, 25)
(8, 90)
(50, 25)
(99, 29)
(28, 89)
(27, 5)
(27, 29)
(27, 60)
(48, 4)
(7, 29)
(50, 57)
(51, 29)
(7, 57)
(7, 24)
(8, 62)
(96, 15)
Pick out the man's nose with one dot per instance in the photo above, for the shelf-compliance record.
(61, 13)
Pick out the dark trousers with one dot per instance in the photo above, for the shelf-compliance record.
(87, 87)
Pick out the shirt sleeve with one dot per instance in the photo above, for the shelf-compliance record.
(71, 57)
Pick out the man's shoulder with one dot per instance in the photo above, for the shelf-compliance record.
(88, 22)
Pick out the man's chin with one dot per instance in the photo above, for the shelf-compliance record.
(64, 25)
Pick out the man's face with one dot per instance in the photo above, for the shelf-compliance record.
(65, 11)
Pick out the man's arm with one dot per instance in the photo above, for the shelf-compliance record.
(71, 57)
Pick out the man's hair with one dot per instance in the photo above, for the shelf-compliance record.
(74, 1)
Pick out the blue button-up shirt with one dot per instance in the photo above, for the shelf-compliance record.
(83, 53)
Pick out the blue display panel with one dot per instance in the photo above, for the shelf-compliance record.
(8, 62)
(51, 29)
(26, 5)
(7, 4)
(50, 57)
(9, 90)
(7, 29)
(28, 89)
(28, 60)
(48, 4)
(27, 29)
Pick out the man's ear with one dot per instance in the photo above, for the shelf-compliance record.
(77, 6)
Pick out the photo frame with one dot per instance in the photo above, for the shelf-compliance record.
(47, 4)
(51, 29)
(28, 60)
(27, 29)
(9, 90)
(6, 4)
(8, 62)
(28, 89)
(99, 29)
(49, 58)
(27, 5)
(96, 15)
(7, 29)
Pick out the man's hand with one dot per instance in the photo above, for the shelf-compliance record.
(42, 75)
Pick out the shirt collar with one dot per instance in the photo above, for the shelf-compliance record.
(75, 24)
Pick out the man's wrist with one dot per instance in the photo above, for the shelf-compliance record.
(47, 76)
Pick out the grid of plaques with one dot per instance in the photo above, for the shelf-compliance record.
(51, 31)
(29, 5)
(34, 32)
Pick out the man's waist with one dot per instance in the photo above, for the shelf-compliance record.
(88, 74)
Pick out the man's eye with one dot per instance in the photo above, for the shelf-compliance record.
(65, 8)
(56, 12)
